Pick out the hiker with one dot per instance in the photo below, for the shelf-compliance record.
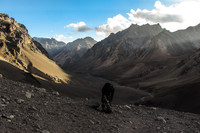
(107, 96)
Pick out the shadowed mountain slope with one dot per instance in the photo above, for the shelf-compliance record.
(117, 47)
(179, 89)
(138, 52)
(164, 63)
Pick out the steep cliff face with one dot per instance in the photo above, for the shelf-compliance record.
(19, 49)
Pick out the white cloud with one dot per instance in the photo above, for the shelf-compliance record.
(63, 38)
(79, 27)
(113, 25)
(173, 17)
(182, 14)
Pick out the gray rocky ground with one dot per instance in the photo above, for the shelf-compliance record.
(25, 109)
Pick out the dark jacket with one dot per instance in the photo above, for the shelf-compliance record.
(108, 91)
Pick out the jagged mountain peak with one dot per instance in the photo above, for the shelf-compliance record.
(19, 49)
(73, 51)
(119, 46)
(82, 42)
(88, 38)
(145, 27)
(50, 44)
(137, 51)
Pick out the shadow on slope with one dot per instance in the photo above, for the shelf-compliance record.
(81, 86)
(87, 86)
(11, 72)
(181, 98)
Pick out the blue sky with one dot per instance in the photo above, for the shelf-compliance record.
(45, 18)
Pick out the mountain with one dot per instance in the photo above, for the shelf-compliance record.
(73, 51)
(162, 53)
(22, 59)
(20, 50)
(179, 88)
(116, 48)
(138, 52)
(152, 59)
(50, 44)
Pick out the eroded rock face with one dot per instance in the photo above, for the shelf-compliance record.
(13, 37)
(18, 48)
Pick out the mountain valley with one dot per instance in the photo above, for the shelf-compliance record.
(49, 86)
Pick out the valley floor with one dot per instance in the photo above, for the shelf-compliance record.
(25, 109)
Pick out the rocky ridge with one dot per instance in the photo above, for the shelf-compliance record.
(138, 52)
(117, 47)
(73, 51)
(19, 49)
(50, 44)
(26, 108)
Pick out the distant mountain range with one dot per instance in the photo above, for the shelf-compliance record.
(20, 50)
(138, 51)
(66, 54)
(50, 44)
(73, 51)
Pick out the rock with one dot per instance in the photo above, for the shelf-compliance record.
(158, 128)
(115, 126)
(46, 103)
(159, 118)
(41, 90)
(8, 116)
(37, 126)
(55, 93)
(19, 101)
(33, 108)
(1, 76)
(197, 123)
(3, 105)
(127, 107)
(153, 108)
(28, 94)
(135, 127)
(92, 122)
(4, 101)
(99, 122)
(6, 98)
(45, 131)
(119, 111)
(197, 131)
(11, 117)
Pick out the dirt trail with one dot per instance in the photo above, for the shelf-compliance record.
(28, 109)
